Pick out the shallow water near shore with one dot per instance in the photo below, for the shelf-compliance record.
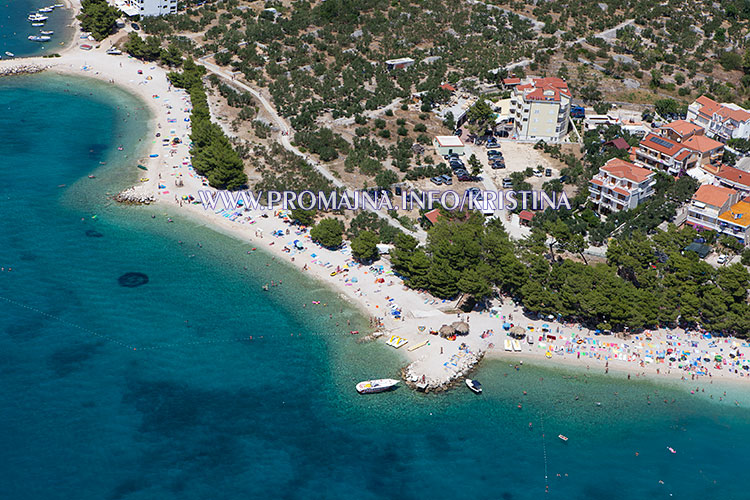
(157, 391)
(15, 28)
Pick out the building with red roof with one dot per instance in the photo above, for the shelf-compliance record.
(733, 178)
(540, 108)
(708, 151)
(620, 185)
(721, 121)
(659, 153)
(680, 130)
(708, 203)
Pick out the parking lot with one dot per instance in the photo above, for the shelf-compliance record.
(518, 157)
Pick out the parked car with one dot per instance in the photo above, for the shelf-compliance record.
(507, 183)
(548, 172)
(458, 132)
(493, 152)
(437, 181)
(498, 164)
(447, 179)
(135, 26)
(722, 259)
(463, 176)
(537, 173)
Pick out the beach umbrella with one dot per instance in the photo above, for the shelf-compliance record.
(461, 327)
(446, 331)
(506, 326)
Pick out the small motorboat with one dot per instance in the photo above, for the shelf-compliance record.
(48, 32)
(671, 450)
(40, 38)
(375, 386)
(474, 385)
(563, 438)
(10, 54)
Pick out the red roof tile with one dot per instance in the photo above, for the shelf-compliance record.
(621, 191)
(448, 87)
(625, 170)
(734, 175)
(683, 128)
(512, 81)
(432, 216)
(702, 144)
(526, 215)
(715, 196)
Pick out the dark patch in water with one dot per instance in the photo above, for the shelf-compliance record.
(132, 280)
(28, 256)
(70, 358)
(125, 488)
(96, 150)
(92, 233)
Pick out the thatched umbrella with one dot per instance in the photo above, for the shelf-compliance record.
(446, 331)
(517, 332)
(461, 327)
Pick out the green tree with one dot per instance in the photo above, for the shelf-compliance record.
(328, 232)
(475, 164)
(364, 246)
(98, 17)
(304, 217)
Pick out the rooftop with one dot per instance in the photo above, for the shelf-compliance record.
(618, 143)
(727, 111)
(738, 214)
(715, 196)
(734, 175)
(448, 141)
(702, 144)
(661, 144)
(626, 170)
(683, 127)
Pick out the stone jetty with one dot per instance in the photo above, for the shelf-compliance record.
(22, 69)
(426, 375)
(133, 196)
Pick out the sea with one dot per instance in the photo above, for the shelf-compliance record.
(141, 359)
(15, 28)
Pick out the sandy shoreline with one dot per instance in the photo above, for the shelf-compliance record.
(374, 290)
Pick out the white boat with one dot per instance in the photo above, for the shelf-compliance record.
(37, 18)
(58, 5)
(516, 345)
(373, 386)
(10, 54)
(114, 51)
(46, 9)
(563, 438)
(39, 38)
(37, 24)
(508, 345)
(474, 385)
(47, 32)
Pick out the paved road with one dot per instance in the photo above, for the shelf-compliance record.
(283, 138)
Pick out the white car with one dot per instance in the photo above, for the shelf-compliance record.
(722, 259)
(538, 173)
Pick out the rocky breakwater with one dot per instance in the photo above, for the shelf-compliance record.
(133, 196)
(21, 69)
(431, 374)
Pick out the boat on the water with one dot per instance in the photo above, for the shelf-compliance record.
(563, 438)
(41, 38)
(474, 385)
(46, 9)
(37, 18)
(46, 32)
(10, 54)
(379, 385)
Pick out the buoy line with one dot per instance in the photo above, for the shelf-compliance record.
(544, 452)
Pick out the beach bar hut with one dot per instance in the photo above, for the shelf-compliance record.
(460, 327)
(446, 331)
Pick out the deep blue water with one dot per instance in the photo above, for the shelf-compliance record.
(110, 392)
(15, 28)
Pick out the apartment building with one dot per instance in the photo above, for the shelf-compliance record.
(708, 151)
(620, 185)
(736, 221)
(660, 153)
(708, 203)
(721, 121)
(540, 108)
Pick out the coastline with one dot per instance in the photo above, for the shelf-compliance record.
(438, 360)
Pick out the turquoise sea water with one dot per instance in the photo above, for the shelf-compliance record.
(15, 28)
(155, 392)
